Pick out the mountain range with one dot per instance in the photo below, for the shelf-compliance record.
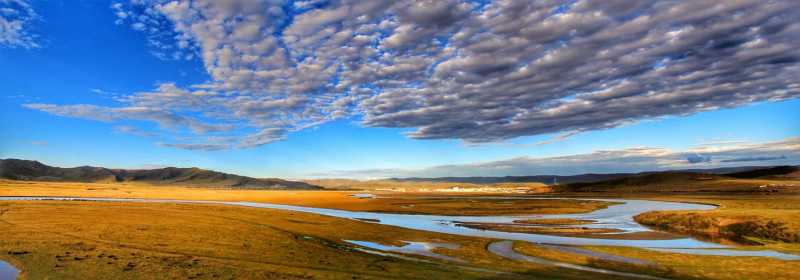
(29, 170)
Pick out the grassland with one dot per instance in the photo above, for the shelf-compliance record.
(105, 240)
(740, 220)
(554, 222)
(408, 204)
(772, 221)
(114, 240)
(685, 266)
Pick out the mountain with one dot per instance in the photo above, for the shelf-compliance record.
(570, 179)
(17, 169)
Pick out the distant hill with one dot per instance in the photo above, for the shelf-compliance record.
(28, 170)
(570, 179)
(764, 179)
(778, 172)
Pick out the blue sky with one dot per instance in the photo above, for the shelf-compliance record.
(85, 53)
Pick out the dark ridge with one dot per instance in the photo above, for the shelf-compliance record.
(570, 179)
(29, 170)
(683, 180)
(766, 172)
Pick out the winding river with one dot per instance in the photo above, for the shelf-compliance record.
(618, 216)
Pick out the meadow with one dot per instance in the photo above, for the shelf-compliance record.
(131, 240)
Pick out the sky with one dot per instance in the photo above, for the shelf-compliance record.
(373, 89)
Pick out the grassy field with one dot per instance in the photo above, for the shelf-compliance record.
(402, 203)
(739, 218)
(685, 266)
(772, 221)
(115, 240)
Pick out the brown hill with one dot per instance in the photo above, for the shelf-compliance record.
(17, 169)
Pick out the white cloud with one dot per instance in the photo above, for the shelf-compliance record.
(454, 69)
(133, 131)
(40, 143)
(16, 18)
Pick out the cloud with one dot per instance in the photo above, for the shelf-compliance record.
(558, 138)
(197, 147)
(784, 152)
(695, 158)
(133, 131)
(469, 70)
(265, 136)
(165, 119)
(16, 18)
(40, 143)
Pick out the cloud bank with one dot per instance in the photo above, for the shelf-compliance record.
(472, 70)
(785, 152)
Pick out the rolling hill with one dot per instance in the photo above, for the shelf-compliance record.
(763, 180)
(28, 170)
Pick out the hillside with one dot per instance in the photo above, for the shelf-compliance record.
(787, 172)
(28, 170)
(765, 180)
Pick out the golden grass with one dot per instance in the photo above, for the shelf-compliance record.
(556, 255)
(115, 240)
(675, 265)
(712, 267)
(554, 222)
(203, 241)
(323, 199)
(773, 220)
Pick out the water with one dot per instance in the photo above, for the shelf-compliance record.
(363, 195)
(8, 272)
(616, 216)
(414, 248)
(619, 216)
